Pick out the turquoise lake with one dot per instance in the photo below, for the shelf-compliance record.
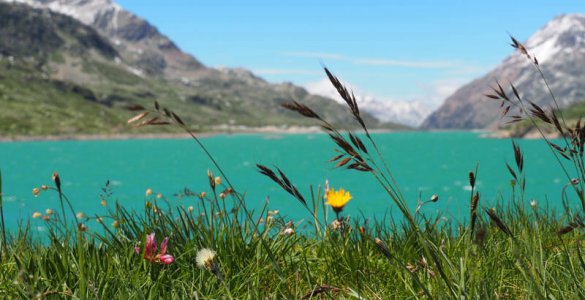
(422, 163)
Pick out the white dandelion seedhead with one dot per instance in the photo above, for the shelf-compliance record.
(205, 258)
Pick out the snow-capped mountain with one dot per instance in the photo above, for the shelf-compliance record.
(559, 48)
(85, 11)
(410, 113)
(138, 43)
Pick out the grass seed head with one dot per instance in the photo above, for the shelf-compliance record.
(206, 259)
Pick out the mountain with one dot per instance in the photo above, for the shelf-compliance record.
(410, 113)
(138, 42)
(70, 67)
(559, 47)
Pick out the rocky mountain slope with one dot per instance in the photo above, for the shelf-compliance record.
(559, 47)
(106, 58)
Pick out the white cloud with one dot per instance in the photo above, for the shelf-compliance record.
(419, 64)
(435, 92)
(319, 55)
(286, 72)
(408, 63)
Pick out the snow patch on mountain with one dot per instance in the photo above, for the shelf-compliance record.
(410, 113)
(82, 10)
(551, 39)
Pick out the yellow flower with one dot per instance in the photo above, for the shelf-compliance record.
(49, 211)
(36, 215)
(148, 192)
(36, 192)
(104, 203)
(338, 199)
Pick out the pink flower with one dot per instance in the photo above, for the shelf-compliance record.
(150, 253)
(166, 259)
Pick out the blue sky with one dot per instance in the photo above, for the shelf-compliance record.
(393, 50)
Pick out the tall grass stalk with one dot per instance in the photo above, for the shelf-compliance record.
(4, 244)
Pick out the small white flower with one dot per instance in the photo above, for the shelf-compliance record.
(533, 203)
(205, 258)
(288, 231)
(335, 225)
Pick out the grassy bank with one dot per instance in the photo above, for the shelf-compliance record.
(273, 257)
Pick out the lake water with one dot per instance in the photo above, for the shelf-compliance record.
(422, 163)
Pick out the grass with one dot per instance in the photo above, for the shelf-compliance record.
(218, 248)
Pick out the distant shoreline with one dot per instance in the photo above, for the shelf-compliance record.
(144, 136)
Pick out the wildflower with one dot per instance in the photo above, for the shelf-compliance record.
(335, 225)
(49, 211)
(202, 195)
(222, 196)
(159, 195)
(206, 259)
(434, 198)
(211, 180)
(46, 218)
(80, 215)
(116, 224)
(36, 192)
(36, 215)
(150, 251)
(148, 192)
(288, 231)
(217, 180)
(44, 187)
(81, 227)
(533, 203)
(190, 209)
(104, 203)
(337, 199)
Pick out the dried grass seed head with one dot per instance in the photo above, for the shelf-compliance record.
(205, 258)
